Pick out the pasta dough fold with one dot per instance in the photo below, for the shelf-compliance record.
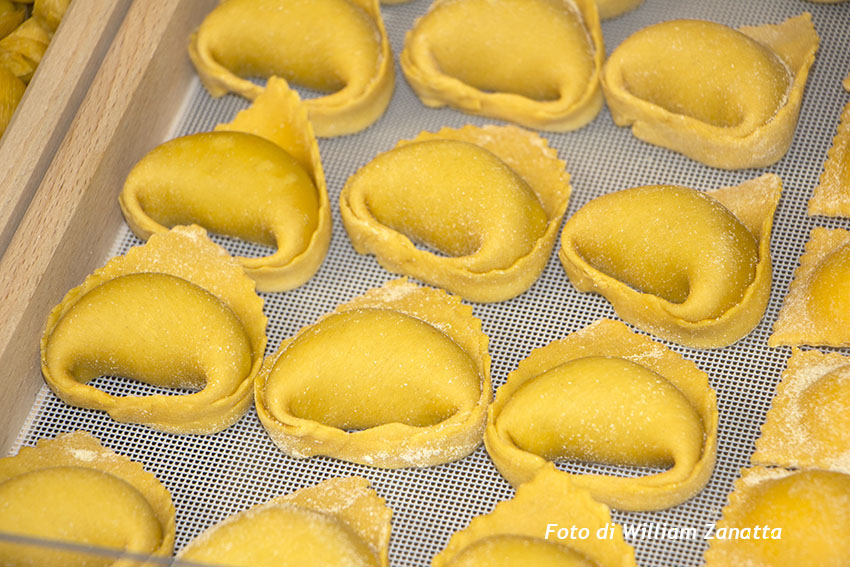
(608, 396)
(808, 424)
(11, 91)
(335, 46)
(22, 50)
(12, 15)
(726, 98)
(49, 13)
(636, 248)
(258, 178)
(73, 490)
(532, 62)
(488, 199)
(23, 42)
(806, 512)
(816, 310)
(174, 313)
(398, 377)
(518, 531)
(340, 521)
(612, 8)
(832, 195)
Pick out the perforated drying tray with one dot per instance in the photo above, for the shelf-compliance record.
(213, 476)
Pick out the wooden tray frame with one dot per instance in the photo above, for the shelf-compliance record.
(50, 103)
(71, 221)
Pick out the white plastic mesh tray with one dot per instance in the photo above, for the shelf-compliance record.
(213, 476)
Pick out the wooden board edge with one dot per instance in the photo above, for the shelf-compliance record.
(50, 102)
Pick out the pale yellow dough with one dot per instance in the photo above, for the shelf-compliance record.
(12, 14)
(339, 47)
(532, 62)
(514, 534)
(11, 91)
(613, 8)
(832, 194)
(607, 395)
(690, 267)
(22, 50)
(808, 425)
(398, 377)
(23, 43)
(49, 13)
(177, 312)
(340, 522)
(727, 98)
(73, 490)
(258, 178)
(488, 199)
(809, 507)
(816, 310)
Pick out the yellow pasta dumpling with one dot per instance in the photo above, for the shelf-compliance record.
(175, 313)
(637, 248)
(724, 97)
(606, 395)
(815, 311)
(338, 522)
(398, 377)
(475, 210)
(808, 424)
(532, 62)
(339, 47)
(72, 490)
(524, 530)
(258, 178)
(800, 518)
(239, 184)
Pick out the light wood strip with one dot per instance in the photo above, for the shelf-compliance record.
(50, 102)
